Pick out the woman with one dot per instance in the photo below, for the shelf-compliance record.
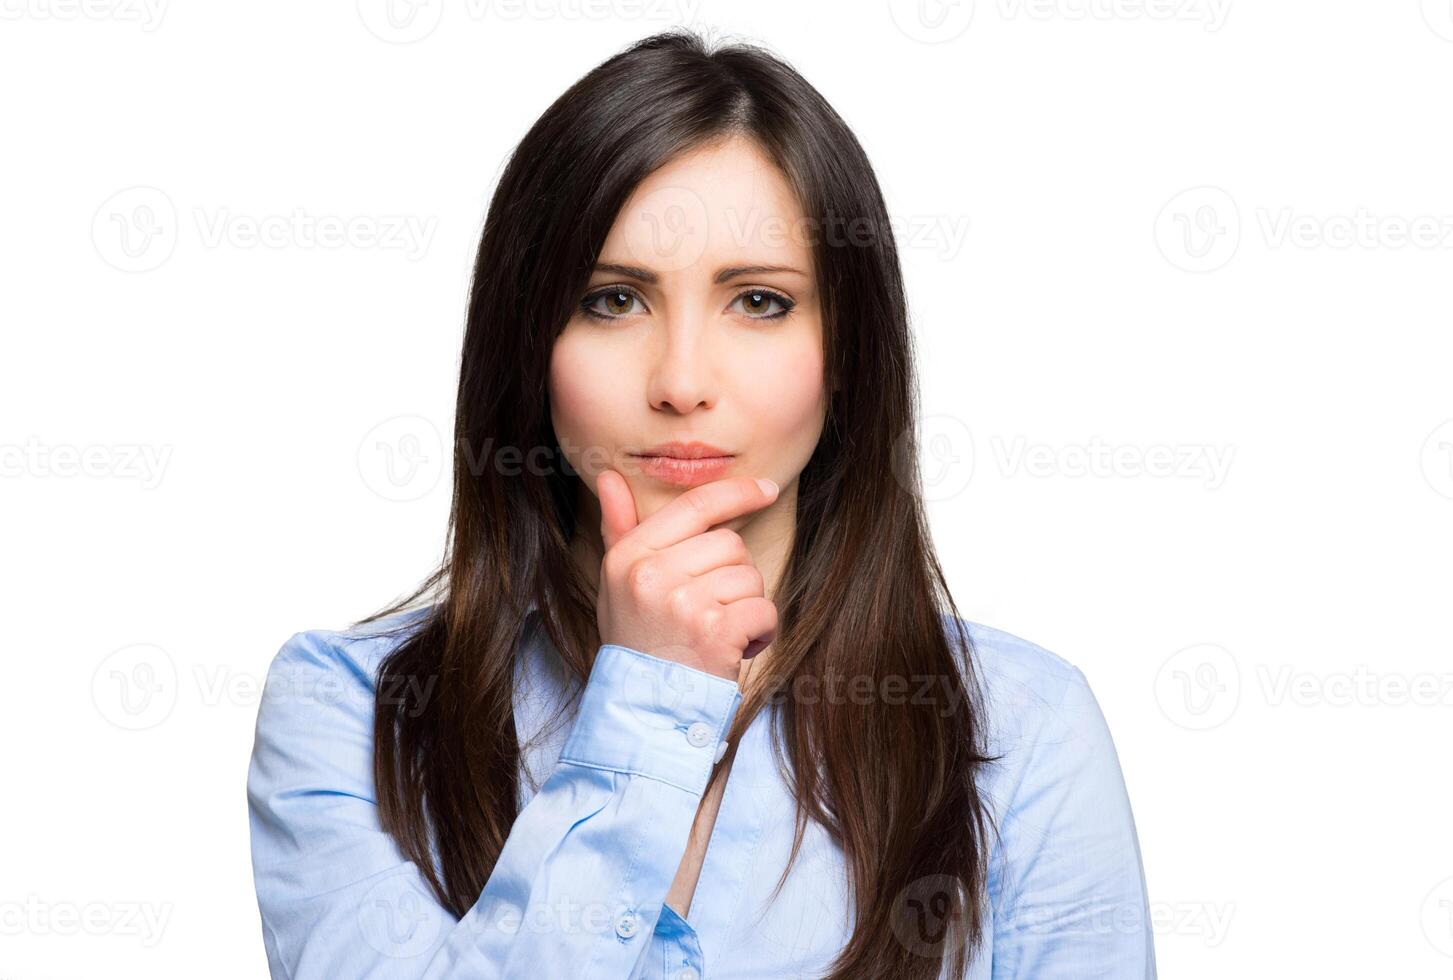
(689, 697)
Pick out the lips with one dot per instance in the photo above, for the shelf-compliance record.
(684, 450)
(685, 464)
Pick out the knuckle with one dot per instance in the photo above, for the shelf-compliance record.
(736, 543)
(679, 603)
(731, 544)
(711, 622)
(641, 578)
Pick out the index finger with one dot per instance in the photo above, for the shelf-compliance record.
(701, 508)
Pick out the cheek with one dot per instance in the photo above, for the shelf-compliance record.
(582, 399)
(787, 397)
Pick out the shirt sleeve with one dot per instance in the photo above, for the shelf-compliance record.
(1066, 883)
(582, 877)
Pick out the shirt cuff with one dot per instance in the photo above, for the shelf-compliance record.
(652, 716)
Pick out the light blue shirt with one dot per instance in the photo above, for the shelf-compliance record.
(609, 793)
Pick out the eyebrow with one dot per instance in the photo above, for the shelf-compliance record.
(722, 275)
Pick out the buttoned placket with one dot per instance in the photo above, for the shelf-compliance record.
(730, 852)
(690, 966)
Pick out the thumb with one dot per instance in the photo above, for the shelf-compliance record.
(617, 507)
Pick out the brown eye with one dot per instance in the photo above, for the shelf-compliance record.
(608, 304)
(757, 304)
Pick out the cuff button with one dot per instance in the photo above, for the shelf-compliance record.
(699, 734)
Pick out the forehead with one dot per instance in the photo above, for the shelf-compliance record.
(712, 205)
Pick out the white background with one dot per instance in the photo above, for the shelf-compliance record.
(1211, 240)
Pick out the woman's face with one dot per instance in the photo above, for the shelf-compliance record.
(706, 328)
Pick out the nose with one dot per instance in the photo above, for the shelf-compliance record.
(682, 377)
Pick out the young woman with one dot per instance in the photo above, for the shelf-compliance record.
(688, 696)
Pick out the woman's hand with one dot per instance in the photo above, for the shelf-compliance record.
(672, 587)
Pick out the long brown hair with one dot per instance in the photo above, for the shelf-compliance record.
(862, 596)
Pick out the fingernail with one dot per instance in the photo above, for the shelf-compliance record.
(768, 487)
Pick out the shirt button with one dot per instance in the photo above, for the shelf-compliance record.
(688, 973)
(626, 926)
(720, 751)
(699, 734)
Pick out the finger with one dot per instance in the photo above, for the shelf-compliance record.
(757, 618)
(700, 554)
(617, 507)
(702, 508)
(725, 585)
